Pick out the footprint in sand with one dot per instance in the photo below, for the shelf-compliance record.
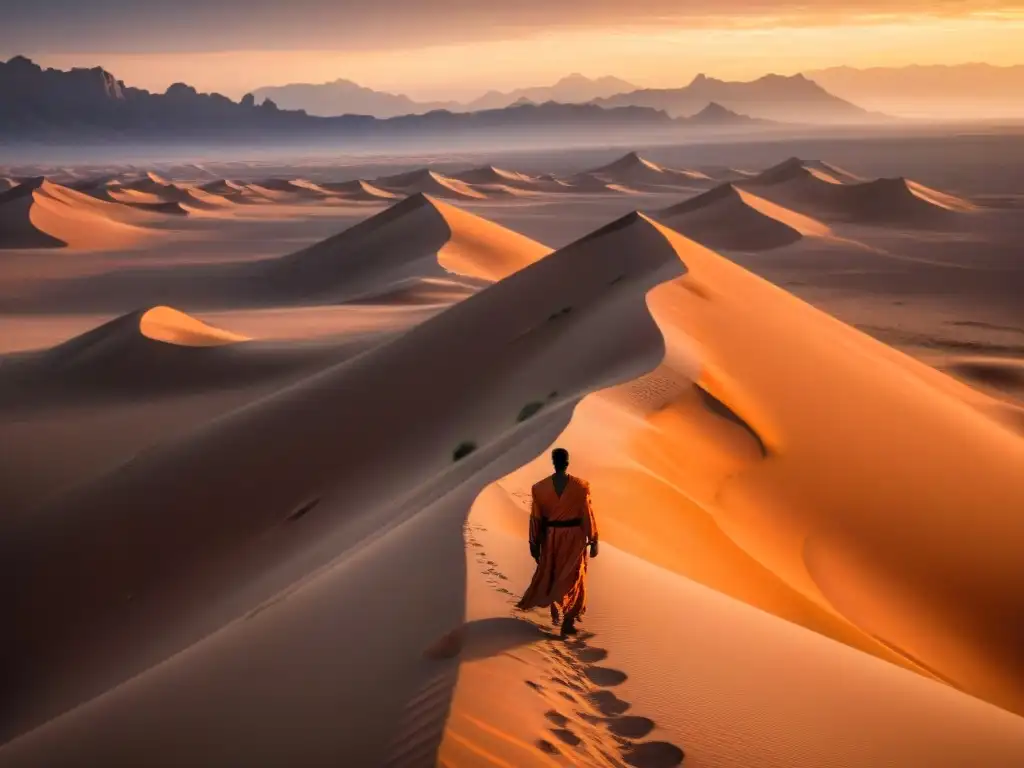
(653, 754)
(566, 736)
(547, 747)
(629, 726)
(607, 703)
(591, 655)
(578, 676)
(605, 677)
(557, 718)
(568, 684)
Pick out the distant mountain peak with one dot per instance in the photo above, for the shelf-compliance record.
(717, 114)
(779, 98)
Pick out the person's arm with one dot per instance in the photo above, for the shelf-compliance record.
(589, 521)
(535, 529)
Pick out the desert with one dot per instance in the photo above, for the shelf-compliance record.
(273, 425)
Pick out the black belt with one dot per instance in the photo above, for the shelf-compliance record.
(574, 523)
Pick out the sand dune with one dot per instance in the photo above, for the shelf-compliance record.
(221, 193)
(796, 168)
(428, 182)
(289, 190)
(395, 256)
(41, 214)
(201, 200)
(900, 200)
(730, 218)
(222, 187)
(107, 190)
(842, 543)
(418, 238)
(997, 374)
(793, 169)
(359, 190)
(17, 228)
(488, 174)
(154, 184)
(632, 170)
(821, 190)
(148, 353)
(585, 183)
(726, 173)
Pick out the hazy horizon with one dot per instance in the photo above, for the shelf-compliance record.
(458, 51)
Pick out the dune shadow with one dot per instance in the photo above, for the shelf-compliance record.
(485, 638)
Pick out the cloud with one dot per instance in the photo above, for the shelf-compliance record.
(132, 26)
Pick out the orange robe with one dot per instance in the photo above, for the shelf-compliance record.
(560, 579)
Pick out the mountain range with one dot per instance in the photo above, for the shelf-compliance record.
(342, 97)
(940, 91)
(48, 106)
(794, 99)
(773, 97)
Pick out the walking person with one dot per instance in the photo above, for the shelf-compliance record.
(562, 530)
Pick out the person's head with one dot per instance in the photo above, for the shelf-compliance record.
(560, 458)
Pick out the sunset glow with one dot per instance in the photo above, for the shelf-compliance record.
(651, 52)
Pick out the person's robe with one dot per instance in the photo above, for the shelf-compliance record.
(560, 579)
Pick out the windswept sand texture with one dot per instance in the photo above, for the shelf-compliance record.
(269, 499)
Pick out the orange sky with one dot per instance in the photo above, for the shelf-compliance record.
(649, 42)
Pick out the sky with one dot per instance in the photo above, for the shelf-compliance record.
(442, 49)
